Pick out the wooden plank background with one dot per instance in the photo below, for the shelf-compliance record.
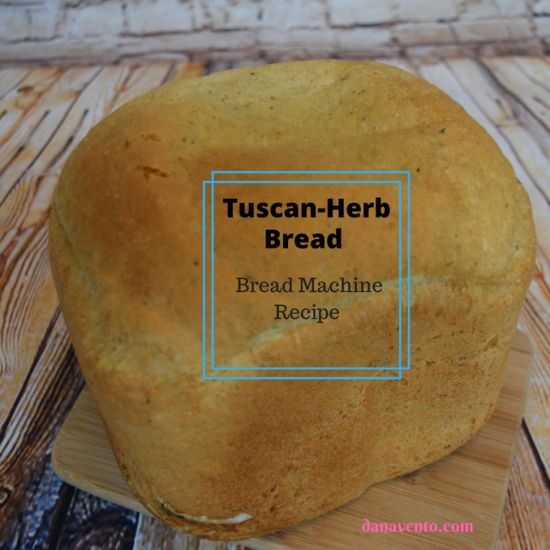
(44, 112)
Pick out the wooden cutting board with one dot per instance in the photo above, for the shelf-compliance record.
(467, 486)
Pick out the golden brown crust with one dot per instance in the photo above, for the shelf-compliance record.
(125, 248)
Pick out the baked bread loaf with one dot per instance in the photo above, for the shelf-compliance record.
(235, 459)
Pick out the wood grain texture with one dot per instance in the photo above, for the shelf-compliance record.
(527, 83)
(39, 375)
(96, 523)
(468, 486)
(44, 112)
(26, 435)
(526, 522)
(27, 296)
(10, 79)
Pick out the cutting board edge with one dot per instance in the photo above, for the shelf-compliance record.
(529, 349)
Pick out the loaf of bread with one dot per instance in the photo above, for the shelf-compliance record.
(232, 459)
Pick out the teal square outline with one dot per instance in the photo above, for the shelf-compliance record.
(316, 182)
